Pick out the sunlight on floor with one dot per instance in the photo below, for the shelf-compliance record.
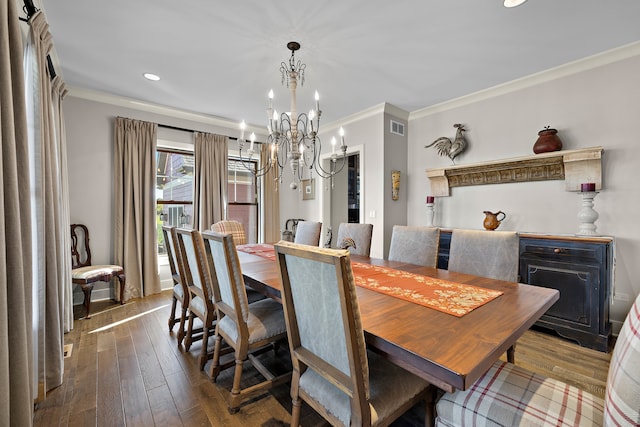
(119, 322)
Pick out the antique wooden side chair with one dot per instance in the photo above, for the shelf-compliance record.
(415, 245)
(202, 290)
(249, 329)
(85, 274)
(332, 370)
(355, 237)
(308, 233)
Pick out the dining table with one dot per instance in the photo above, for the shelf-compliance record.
(450, 352)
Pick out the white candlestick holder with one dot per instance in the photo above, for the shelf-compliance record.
(587, 216)
(430, 214)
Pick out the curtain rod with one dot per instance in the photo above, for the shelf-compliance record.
(190, 130)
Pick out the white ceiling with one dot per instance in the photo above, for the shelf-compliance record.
(221, 58)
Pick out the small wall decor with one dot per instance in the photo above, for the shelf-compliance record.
(451, 149)
(308, 189)
(395, 185)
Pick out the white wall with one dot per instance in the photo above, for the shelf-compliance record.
(590, 107)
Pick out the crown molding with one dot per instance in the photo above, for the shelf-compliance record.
(570, 68)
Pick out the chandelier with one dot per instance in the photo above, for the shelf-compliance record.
(293, 138)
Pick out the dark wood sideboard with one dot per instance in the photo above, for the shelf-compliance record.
(580, 268)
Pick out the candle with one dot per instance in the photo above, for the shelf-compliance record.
(243, 125)
(430, 199)
(317, 97)
(333, 145)
(253, 139)
(589, 186)
(271, 98)
(342, 135)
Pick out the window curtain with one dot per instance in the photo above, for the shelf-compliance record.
(210, 155)
(270, 199)
(135, 230)
(16, 348)
(53, 309)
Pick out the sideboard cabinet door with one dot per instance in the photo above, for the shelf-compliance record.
(580, 271)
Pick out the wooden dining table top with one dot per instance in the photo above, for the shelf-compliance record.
(448, 351)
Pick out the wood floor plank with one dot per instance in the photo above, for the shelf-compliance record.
(163, 407)
(134, 394)
(109, 407)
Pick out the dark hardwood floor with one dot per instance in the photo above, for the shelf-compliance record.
(124, 368)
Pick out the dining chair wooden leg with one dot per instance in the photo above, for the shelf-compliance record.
(122, 279)
(203, 352)
(430, 408)
(183, 318)
(189, 337)
(511, 354)
(172, 315)
(87, 289)
(295, 412)
(235, 399)
(215, 365)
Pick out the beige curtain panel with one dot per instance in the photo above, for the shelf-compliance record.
(135, 231)
(270, 199)
(210, 155)
(16, 350)
(52, 210)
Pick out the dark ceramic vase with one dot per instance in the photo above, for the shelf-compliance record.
(547, 141)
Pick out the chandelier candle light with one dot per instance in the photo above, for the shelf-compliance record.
(293, 138)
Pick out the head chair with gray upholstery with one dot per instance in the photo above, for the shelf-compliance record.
(510, 395)
(246, 328)
(492, 254)
(356, 238)
(233, 227)
(332, 370)
(308, 233)
(415, 245)
(180, 289)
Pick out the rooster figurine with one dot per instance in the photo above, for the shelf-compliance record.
(451, 149)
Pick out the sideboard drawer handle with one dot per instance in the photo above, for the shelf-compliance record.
(558, 250)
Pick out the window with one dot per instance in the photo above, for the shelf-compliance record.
(174, 190)
(242, 197)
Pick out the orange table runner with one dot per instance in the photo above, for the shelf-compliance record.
(448, 297)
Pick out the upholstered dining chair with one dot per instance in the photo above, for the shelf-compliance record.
(249, 329)
(332, 370)
(355, 237)
(202, 289)
(492, 254)
(308, 233)
(85, 274)
(180, 289)
(415, 245)
(233, 227)
(510, 395)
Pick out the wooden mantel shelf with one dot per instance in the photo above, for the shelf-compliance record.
(573, 166)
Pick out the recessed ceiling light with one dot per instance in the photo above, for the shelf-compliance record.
(151, 76)
(513, 3)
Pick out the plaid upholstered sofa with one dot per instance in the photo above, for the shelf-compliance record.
(508, 395)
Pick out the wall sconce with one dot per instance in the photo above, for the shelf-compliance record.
(395, 185)
(163, 217)
(184, 219)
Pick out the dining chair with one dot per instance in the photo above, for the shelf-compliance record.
(202, 290)
(492, 254)
(415, 245)
(511, 395)
(249, 329)
(332, 370)
(180, 290)
(355, 237)
(308, 233)
(233, 227)
(85, 274)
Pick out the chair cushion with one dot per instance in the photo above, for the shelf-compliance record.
(178, 292)
(265, 320)
(390, 386)
(508, 395)
(622, 401)
(95, 271)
